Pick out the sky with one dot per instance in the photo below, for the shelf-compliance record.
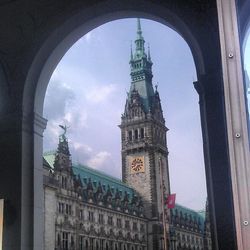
(87, 92)
(247, 55)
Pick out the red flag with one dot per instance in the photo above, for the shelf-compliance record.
(171, 201)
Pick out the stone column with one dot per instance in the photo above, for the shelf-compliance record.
(236, 118)
(215, 144)
(20, 183)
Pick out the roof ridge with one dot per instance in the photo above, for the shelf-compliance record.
(190, 209)
(94, 171)
(99, 172)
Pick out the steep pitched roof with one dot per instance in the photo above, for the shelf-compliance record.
(96, 176)
(50, 157)
(198, 215)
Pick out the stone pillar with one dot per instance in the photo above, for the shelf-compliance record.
(11, 181)
(237, 121)
(37, 137)
(20, 183)
(215, 144)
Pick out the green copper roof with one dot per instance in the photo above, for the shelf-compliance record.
(96, 176)
(198, 215)
(50, 157)
(202, 213)
(141, 71)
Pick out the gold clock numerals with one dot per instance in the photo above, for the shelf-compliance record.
(137, 165)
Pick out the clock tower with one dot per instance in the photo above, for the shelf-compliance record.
(144, 144)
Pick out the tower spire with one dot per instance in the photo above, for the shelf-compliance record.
(141, 71)
(140, 51)
(139, 32)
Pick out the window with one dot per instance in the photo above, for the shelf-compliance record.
(91, 243)
(64, 182)
(130, 135)
(102, 244)
(68, 209)
(142, 132)
(136, 134)
(135, 226)
(81, 216)
(127, 226)
(91, 216)
(81, 242)
(142, 228)
(183, 237)
(58, 240)
(61, 207)
(119, 223)
(72, 241)
(101, 219)
(65, 239)
(110, 220)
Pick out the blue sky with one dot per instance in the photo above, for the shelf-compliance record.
(87, 91)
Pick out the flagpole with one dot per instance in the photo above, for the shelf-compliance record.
(163, 208)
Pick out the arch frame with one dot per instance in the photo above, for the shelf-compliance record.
(32, 123)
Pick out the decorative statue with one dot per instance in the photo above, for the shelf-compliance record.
(65, 128)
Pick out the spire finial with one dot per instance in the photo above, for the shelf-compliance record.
(156, 86)
(139, 27)
(139, 30)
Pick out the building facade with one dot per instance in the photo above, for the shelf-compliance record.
(87, 209)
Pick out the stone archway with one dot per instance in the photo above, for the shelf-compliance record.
(45, 37)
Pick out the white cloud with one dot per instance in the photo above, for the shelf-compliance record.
(99, 94)
(81, 147)
(99, 160)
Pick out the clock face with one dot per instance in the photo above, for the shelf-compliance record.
(137, 165)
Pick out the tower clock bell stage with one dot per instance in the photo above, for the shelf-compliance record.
(144, 144)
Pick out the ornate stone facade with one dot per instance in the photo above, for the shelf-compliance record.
(190, 229)
(86, 209)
